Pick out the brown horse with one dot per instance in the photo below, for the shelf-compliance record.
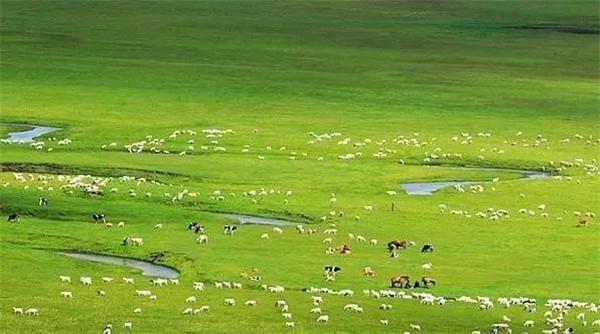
(399, 281)
(396, 244)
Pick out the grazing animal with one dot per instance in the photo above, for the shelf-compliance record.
(250, 303)
(400, 281)
(107, 279)
(323, 319)
(229, 302)
(32, 311)
(332, 269)
(66, 294)
(99, 217)
(17, 310)
(191, 299)
(427, 281)
(396, 244)
(43, 201)
(133, 241)
(289, 324)
(427, 248)
(13, 218)
(415, 327)
(582, 223)
(128, 326)
(85, 280)
(384, 322)
(202, 239)
(128, 280)
(100, 293)
(230, 229)
(65, 279)
(368, 272)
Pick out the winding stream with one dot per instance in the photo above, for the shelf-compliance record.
(427, 188)
(254, 220)
(147, 268)
(29, 135)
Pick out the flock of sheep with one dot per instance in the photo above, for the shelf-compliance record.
(95, 186)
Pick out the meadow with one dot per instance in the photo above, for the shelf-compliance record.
(331, 105)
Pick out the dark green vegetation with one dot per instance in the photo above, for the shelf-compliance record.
(115, 71)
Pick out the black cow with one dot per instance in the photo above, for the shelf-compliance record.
(427, 248)
(99, 217)
(13, 218)
(43, 201)
(230, 229)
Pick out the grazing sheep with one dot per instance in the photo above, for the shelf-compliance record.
(65, 279)
(107, 279)
(128, 280)
(202, 239)
(158, 226)
(528, 323)
(264, 236)
(323, 319)
(229, 302)
(250, 303)
(32, 312)
(174, 281)
(286, 315)
(191, 299)
(17, 310)
(137, 310)
(85, 280)
(188, 311)
(128, 326)
(289, 324)
(277, 230)
(120, 224)
(315, 310)
(415, 327)
(66, 294)
(384, 322)
(373, 242)
(100, 293)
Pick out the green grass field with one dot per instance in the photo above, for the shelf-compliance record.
(412, 87)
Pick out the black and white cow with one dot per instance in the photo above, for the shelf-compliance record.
(43, 201)
(13, 218)
(99, 217)
(230, 229)
(332, 269)
(427, 248)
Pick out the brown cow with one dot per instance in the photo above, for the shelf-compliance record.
(396, 244)
(400, 281)
(582, 223)
(427, 281)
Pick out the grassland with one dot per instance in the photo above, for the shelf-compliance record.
(275, 71)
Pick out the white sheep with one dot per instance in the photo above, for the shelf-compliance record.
(65, 279)
(202, 239)
(289, 324)
(32, 311)
(188, 311)
(17, 310)
(384, 322)
(66, 294)
(415, 327)
(323, 319)
(85, 280)
(128, 280)
(229, 302)
(107, 279)
(128, 326)
(250, 303)
(191, 299)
